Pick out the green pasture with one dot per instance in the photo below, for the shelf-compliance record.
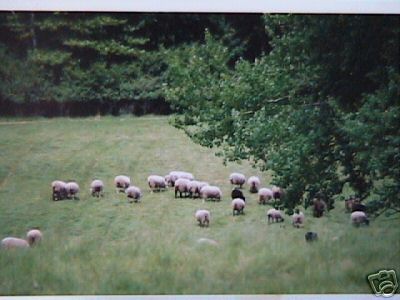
(110, 246)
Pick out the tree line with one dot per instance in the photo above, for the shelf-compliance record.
(83, 63)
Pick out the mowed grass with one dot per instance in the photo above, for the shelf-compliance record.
(109, 246)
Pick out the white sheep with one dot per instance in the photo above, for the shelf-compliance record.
(96, 188)
(254, 184)
(237, 179)
(274, 215)
(182, 186)
(238, 206)
(72, 189)
(358, 218)
(264, 196)
(195, 187)
(211, 192)
(12, 242)
(133, 193)
(34, 236)
(59, 189)
(298, 219)
(203, 217)
(156, 183)
(175, 175)
(122, 182)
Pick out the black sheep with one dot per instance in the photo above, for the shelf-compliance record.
(237, 193)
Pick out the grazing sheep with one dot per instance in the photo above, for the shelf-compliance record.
(156, 183)
(122, 182)
(34, 236)
(238, 206)
(274, 215)
(236, 193)
(133, 193)
(182, 186)
(175, 175)
(319, 207)
(358, 218)
(298, 219)
(211, 192)
(311, 236)
(72, 189)
(277, 192)
(195, 187)
(96, 188)
(59, 190)
(12, 242)
(203, 217)
(254, 184)
(264, 196)
(237, 179)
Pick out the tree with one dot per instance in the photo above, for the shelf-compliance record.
(293, 109)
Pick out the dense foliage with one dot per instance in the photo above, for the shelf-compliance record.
(320, 109)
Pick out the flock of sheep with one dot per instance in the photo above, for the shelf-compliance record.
(185, 185)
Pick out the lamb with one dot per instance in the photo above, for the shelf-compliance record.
(238, 206)
(298, 219)
(72, 189)
(195, 187)
(358, 218)
(236, 193)
(274, 215)
(254, 184)
(156, 183)
(33, 237)
(237, 179)
(175, 175)
(122, 182)
(59, 190)
(182, 186)
(203, 217)
(96, 188)
(211, 192)
(264, 195)
(133, 193)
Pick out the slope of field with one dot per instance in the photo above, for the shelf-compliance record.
(109, 246)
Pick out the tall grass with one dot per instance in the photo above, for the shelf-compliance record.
(108, 246)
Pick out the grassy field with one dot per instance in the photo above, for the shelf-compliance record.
(109, 246)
